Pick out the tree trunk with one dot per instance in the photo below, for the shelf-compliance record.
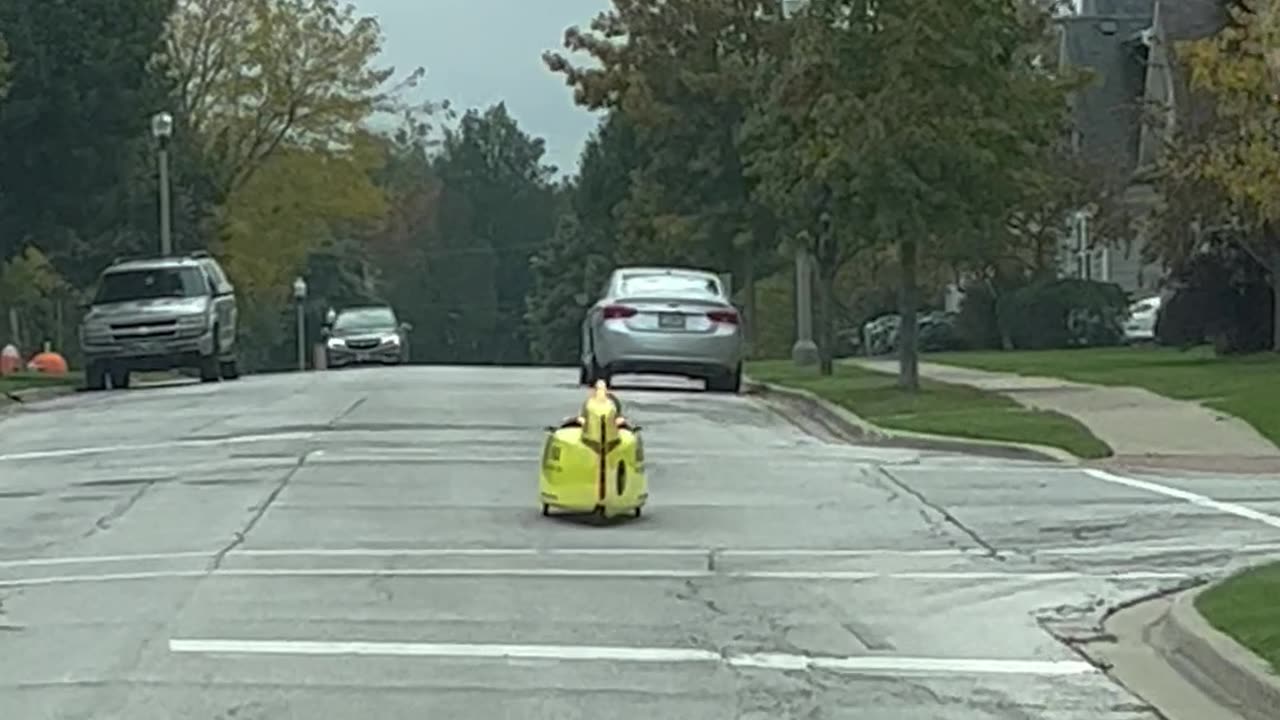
(749, 307)
(1275, 298)
(908, 301)
(826, 331)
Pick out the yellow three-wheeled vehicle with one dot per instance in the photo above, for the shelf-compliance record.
(594, 463)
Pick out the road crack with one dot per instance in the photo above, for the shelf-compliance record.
(105, 522)
(240, 535)
(952, 520)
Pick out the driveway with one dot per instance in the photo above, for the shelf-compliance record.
(368, 543)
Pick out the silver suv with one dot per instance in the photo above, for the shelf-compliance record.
(161, 314)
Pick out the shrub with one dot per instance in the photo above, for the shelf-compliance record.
(1225, 298)
(976, 323)
(1063, 313)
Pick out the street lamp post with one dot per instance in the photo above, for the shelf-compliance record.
(300, 300)
(805, 350)
(162, 130)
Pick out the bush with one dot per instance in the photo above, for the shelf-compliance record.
(1063, 313)
(976, 323)
(1224, 298)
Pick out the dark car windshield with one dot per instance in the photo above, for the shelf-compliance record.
(151, 283)
(378, 318)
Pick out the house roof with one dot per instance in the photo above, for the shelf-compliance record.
(1107, 38)
(1107, 112)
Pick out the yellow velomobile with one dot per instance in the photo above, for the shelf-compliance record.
(594, 462)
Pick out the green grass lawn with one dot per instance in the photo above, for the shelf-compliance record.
(1245, 608)
(1245, 387)
(938, 408)
(24, 381)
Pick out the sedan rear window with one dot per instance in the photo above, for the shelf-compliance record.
(661, 285)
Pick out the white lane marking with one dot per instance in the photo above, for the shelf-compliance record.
(723, 553)
(1152, 549)
(1204, 501)
(104, 578)
(488, 552)
(102, 450)
(604, 552)
(101, 559)
(764, 661)
(568, 573)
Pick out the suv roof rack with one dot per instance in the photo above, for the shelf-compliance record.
(199, 254)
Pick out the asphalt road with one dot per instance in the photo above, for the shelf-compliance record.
(368, 543)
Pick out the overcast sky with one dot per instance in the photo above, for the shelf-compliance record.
(480, 52)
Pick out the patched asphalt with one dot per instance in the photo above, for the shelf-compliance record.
(368, 543)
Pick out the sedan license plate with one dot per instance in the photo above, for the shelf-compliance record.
(362, 357)
(673, 321)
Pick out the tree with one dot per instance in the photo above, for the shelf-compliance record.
(496, 210)
(914, 117)
(297, 203)
(567, 272)
(1240, 157)
(255, 76)
(567, 268)
(73, 129)
(5, 68)
(685, 73)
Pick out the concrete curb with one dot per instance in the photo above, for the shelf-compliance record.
(20, 398)
(1217, 664)
(857, 428)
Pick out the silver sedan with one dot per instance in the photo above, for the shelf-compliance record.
(668, 321)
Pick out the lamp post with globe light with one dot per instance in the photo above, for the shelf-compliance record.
(162, 130)
(805, 351)
(300, 300)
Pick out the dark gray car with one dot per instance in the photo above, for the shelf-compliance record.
(161, 314)
(366, 334)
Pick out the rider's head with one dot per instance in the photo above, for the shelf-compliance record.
(600, 415)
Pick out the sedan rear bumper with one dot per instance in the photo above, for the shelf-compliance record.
(695, 354)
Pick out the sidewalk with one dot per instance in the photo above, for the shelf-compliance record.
(1142, 428)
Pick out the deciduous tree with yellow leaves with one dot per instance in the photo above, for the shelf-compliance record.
(1239, 155)
(273, 96)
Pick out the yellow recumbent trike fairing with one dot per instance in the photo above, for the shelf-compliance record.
(594, 463)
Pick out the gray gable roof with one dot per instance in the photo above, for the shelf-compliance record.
(1128, 77)
(1106, 114)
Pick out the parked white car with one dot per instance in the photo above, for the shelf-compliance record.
(1141, 325)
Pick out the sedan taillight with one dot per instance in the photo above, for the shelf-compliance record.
(729, 317)
(618, 312)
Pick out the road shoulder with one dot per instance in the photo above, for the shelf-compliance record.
(1142, 427)
(806, 409)
(1164, 651)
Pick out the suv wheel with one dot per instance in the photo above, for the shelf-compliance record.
(120, 378)
(95, 376)
(230, 369)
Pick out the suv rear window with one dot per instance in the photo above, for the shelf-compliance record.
(151, 283)
(662, 285)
